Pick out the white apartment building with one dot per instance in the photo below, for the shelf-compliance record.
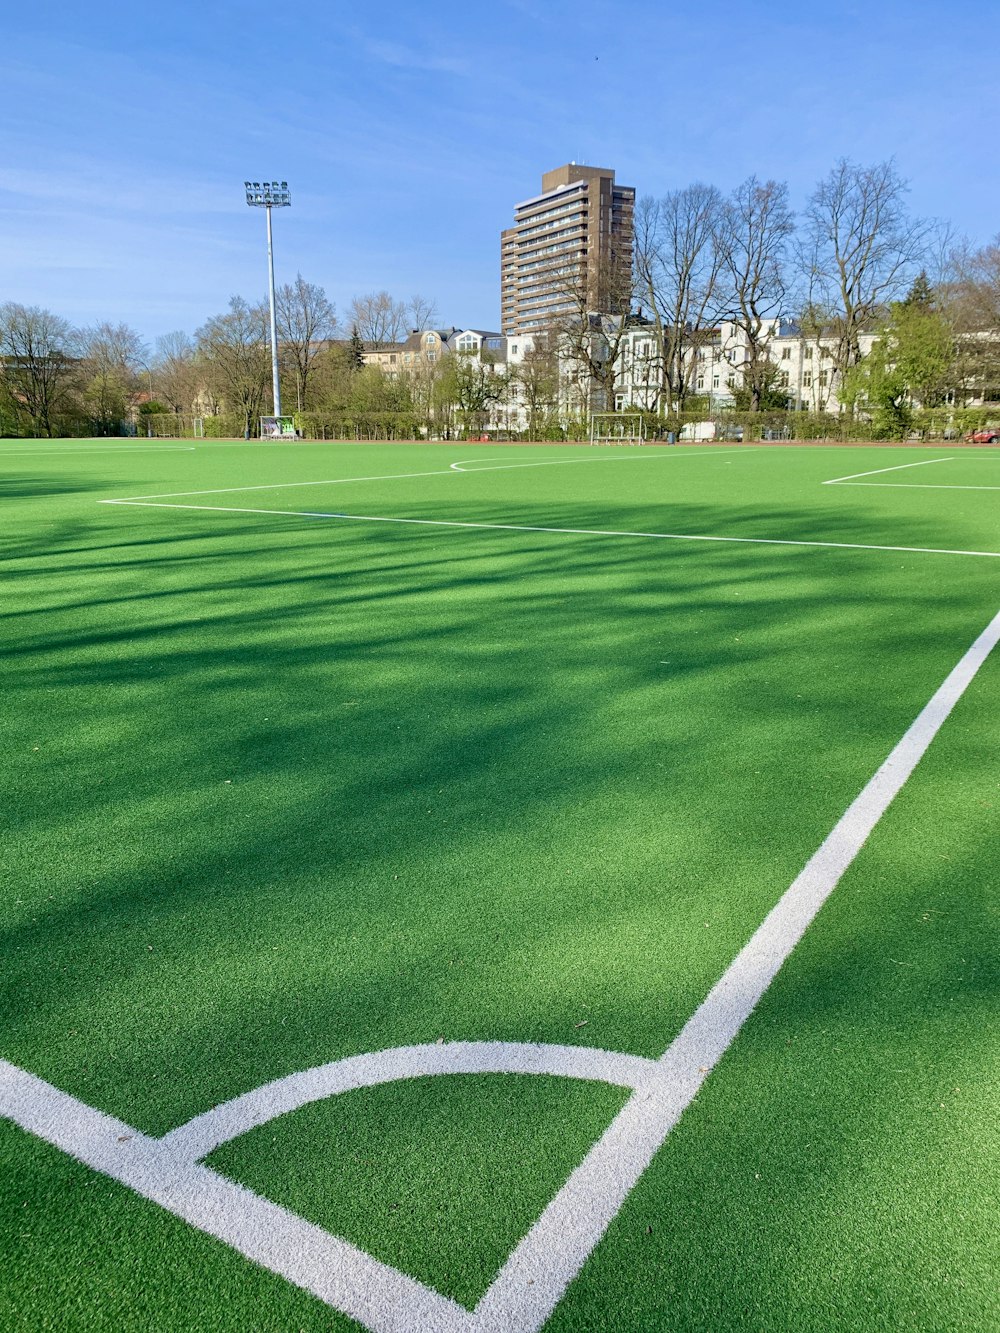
(804, 364)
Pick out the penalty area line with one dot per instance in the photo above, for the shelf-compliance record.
(579, 532)
(900, 467)
(451, 470)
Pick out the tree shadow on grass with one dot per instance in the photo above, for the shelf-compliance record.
(34, 488)
(305, 790)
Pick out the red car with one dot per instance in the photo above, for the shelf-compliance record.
(988, 436)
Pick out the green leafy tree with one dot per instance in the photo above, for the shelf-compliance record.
(474, 383)
(913, 361)
(923, 348)
(762, 393)
(356, 349)
(878, 386)
(921, 294)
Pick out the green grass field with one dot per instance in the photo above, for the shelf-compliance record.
(283, 787)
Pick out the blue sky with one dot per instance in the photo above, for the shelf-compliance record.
(408, 131)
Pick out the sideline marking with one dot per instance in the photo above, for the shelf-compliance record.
(524, 527)
(460, 466)
(125, 449)
(557, 462)
(439, 472)
(533, 1279)
(912, 486)
(924, 462)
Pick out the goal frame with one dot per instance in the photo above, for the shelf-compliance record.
(617, 428)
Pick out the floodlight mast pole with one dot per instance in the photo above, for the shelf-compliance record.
(275, 380)
(268, 195)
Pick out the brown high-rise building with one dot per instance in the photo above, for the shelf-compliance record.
(569, 247)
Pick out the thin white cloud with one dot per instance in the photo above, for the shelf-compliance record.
(406, 57)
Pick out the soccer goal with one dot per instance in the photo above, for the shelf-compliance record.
(277, 428)
(617, 428)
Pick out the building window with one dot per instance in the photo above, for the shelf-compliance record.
(783, 379)
(513, 350)
(807, 379)
(715, 381)
(808, 353)
(700, 384)
(822, 379)
(786, 354)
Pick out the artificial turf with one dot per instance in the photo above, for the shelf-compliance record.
(281, 789)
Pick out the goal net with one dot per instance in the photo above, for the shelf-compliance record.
(277, 428)
(617, 428)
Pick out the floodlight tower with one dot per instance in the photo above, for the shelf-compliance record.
(268, 195)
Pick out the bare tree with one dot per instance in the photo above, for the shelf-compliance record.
(974, 285)
(971, 300)
(236, 352)
(114, 355)
(176, 365)
(305, 320)
(378, 318)
(421, 312)
(860, 251)
(474, 383)
(677, 262)
(590, 329)
(537, 374)
(40, 364)
(755, 226)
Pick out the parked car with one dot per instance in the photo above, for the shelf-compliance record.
(990, 435)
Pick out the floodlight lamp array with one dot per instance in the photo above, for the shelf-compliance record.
(268, 194)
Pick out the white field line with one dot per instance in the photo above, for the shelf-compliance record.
(912, 486)
(532, 1281)
(583, 532)
(561, 462)
(129, 449)
(460, 465)
(402, 476)
(264, 1232)
(577, 1218)
(900, 467)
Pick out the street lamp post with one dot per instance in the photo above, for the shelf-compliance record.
(268, 195)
